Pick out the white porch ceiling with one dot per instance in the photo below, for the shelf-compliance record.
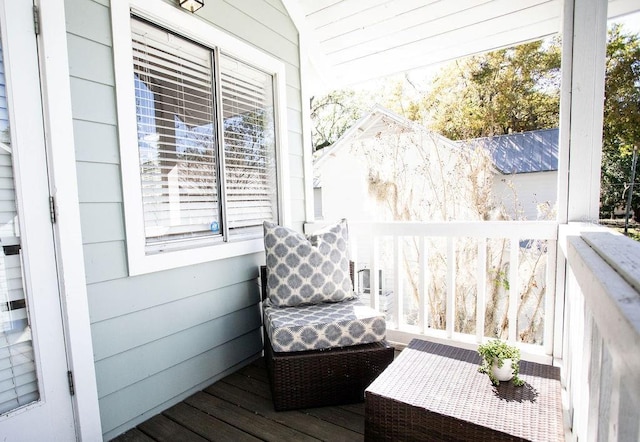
(351, 41)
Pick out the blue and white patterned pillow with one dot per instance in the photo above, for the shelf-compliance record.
(303, 271)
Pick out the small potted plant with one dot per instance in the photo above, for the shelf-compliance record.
(500, 361)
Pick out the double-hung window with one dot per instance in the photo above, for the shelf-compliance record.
(206, 131)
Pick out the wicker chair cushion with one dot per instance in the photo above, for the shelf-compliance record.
(305, 271)
(321, 326)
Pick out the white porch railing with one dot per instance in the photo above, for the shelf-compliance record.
(460, 282)
(601, 343)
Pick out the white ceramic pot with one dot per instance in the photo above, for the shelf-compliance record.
(504, 373)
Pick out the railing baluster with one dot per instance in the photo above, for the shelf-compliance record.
(374, 282)
(514, 288)
(481, 291)
(550, 297)
(398, 301)
(451, 287)
(423, 313)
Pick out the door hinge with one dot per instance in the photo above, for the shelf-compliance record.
(52, 209)
(72, 389)
(36, 20)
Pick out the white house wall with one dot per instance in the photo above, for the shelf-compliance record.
(522, 193)
(345, 193)
(160, 336)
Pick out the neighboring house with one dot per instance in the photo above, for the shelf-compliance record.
(388, 168)
(143, 147)
(526, 167)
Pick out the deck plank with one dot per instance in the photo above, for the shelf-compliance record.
(296, 420)
(239, 407)
(247, 421)
(354, 408)
(206, 426)
(249, 384)
(338, 417)
(134, 435)
(255, 371)
(161, 428)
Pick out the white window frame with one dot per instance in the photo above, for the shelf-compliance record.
(198, 30)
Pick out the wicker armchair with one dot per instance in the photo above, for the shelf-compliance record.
(330, 376)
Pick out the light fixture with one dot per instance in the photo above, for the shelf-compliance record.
(191, 5)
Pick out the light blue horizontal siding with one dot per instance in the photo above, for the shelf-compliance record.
(254, 29)
(96, 142)
(88, 19)
(112, 299)
(133, 330)
(93, 101)
(105, 261)
(90, 60)
(94, 230)
(138, 363)
(278, 21)
(105, 179)
(126, 408)
(161, 336)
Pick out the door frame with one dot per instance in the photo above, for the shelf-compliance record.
(59, 139)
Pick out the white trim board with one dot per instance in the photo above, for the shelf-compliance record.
(54, 64)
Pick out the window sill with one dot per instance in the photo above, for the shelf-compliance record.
(141, 263)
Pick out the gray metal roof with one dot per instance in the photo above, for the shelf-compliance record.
(525, 152)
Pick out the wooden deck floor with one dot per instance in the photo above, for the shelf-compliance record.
(239, 408)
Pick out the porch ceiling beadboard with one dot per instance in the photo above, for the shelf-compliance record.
(358, 40)
(161, 336)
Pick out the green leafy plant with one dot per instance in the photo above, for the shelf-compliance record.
(497, 351)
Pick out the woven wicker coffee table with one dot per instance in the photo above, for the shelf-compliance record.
(435, 392)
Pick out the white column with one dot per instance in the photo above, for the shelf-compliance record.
(581, 110)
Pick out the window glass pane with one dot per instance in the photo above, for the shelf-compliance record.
(176, 135)
(249, 147)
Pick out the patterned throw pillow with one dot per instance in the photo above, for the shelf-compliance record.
(303, 271)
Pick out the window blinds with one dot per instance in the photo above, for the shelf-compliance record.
(191, 183)
(249, 146)
(176, 136)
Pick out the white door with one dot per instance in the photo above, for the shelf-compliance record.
(35, 398)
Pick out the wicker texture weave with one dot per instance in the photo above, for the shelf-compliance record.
(435, 392)
(324, 377)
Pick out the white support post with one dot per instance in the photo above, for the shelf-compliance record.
(586, 62)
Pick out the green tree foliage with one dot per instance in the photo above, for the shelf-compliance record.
(515, 89)
(333, 114)
(621, 129)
